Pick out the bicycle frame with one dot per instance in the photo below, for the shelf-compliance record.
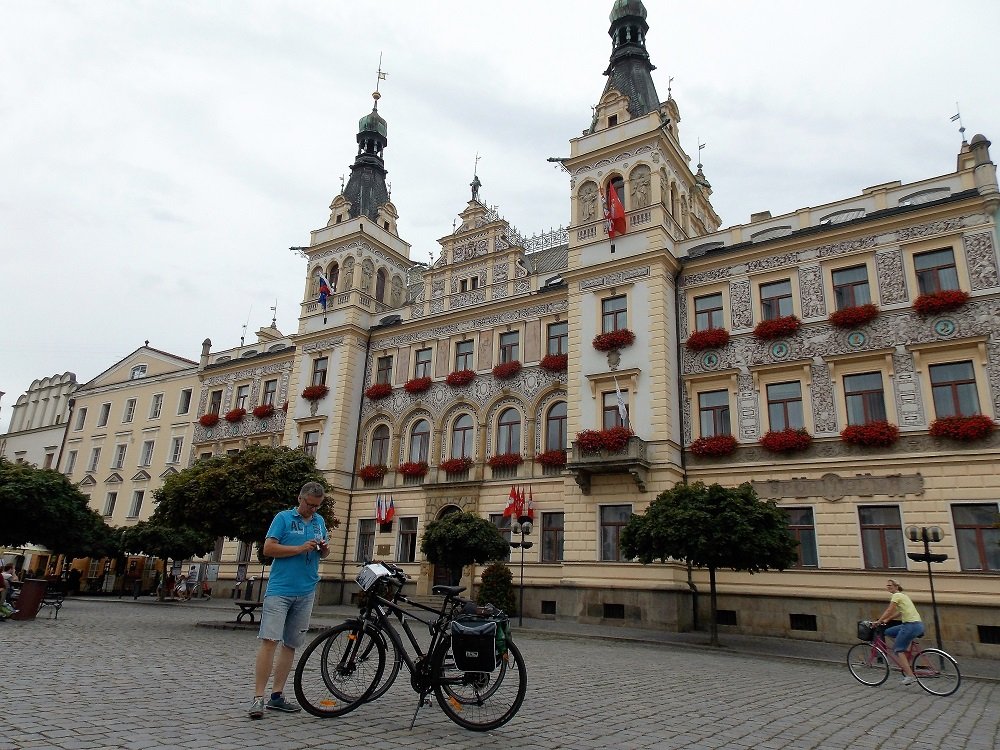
(373, 611)
(912, 651)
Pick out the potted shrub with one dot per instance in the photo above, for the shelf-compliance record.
(378, 390)
(936, 303)
(413, 468)
(613, 340)
(552, 458)
(554, 362)
(315, 392)
(786, 441)
(854, 317)
(373, 471)
(263, 411)
(714, 446)
(507, 370)
(710, 338)
(964, 429)
(208, 420)
(779, 328)
(235, 415)
(880, 434)
(455, 465)
(460, 378)
(505, 461)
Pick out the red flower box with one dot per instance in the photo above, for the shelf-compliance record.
(715, 446)
(417, 385)
(373, 471)
(455, 465)
(854, 317)
(552, 458)
(378, 390)
(460, 377)
(710, 338)
(879, 434)
(208, 420)
(554, 362)
(939, 302)
(315, 392)
(613, 440)
(263, 411)
(606, 342)
(965, 429)
(413, 469)
(786, 441)
(505, 461)
(235, 415)
(507, 370)
(589, 441)
(779, 328)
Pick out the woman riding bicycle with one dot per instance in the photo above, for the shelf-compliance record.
(912, 627)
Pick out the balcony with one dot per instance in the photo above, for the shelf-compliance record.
(632, 461)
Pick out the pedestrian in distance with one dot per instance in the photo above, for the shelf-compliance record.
(912, 626)
(297, 540)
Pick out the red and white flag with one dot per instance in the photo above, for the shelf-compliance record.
(614, 213)
(531, 505)
(385, 509)
(512, 502)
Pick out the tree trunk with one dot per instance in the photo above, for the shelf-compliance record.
(714, 628)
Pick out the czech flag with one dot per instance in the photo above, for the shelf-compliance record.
(324, 290)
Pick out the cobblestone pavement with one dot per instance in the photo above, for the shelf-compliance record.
(118, 674)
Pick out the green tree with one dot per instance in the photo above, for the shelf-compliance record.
(166, 542)
(461, 539)
(712, 527)
(498, 587)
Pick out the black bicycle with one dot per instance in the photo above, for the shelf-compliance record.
(471, 664)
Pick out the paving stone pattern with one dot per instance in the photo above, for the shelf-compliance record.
(122, 674)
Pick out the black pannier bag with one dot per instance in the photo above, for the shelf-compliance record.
(865, 631)
(474, 644)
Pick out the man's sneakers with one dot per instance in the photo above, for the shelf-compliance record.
(257, 708)
(280, 704)
(907, 680)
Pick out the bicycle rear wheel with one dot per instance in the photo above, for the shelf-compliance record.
(936, 672)
(868, 664)
(340, 669)
(479, 700)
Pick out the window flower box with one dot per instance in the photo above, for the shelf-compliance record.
(710, 338)
(879, 434)
(263, 411)
(779, 328)
(208, 420)
(854, 317)
(505, 461)
(455, 465)
(554, 458)
(714, 447)
(235, 415)
(786, 441)
(554, 362)
(613, 340)
(417, 385)
(612, 440)
(940, 302)
(373, 471)
(507, 370)
(378, 390)
(413, 469)
(315, 392)
(963, 429)
(460, 378)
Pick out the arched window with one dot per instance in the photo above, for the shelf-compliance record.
(380, 446)
(420, 442)
(619, 186)
(380, 279)
(555, 427)
(509, 432)
(333, 276)
(461, 437)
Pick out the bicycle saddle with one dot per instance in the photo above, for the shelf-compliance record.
(447, 590)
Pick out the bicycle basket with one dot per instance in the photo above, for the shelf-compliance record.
(370, 574)
(474, 644)
(865, 631)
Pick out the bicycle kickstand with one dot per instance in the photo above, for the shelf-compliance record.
(423, 700)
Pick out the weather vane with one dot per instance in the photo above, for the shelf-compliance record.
(700, 147)
(381, 77)
(958, 117)
(670, 83)
(274, 317)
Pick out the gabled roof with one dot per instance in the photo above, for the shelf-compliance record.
(160, 363)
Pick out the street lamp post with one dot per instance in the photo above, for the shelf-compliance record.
(521, 527)
(928, 534)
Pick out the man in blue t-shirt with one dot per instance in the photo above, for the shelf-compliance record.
(296, 540)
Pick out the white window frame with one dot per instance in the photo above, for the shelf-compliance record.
(156, 406)
(176, 450)
(148, 446)
(129, 414)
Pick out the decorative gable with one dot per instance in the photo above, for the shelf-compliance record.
(115, 478)
(142, 476)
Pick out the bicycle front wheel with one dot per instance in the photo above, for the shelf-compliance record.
(868, 664)
(936, 672)
(392, 665)
(340, 669)
(479, 701)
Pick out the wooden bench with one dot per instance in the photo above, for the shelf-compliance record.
(247, 608)
(53, 598)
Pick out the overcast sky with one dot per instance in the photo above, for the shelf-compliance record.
(158, 159)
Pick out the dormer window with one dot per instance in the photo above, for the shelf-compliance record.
(612, 121)
(340, 218)
(139, 371)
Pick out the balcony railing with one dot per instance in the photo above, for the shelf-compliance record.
(632, 461)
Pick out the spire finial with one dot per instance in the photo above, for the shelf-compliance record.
(381, 77)
(700, 147)
(274, 318)
(670, 84)
(958, 116)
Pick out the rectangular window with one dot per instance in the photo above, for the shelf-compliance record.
(129, 414)
(214, 402)
(713, 411)
(936, 271)
(109, 504)
(882, 537)
(977, 534)
(708, 312)
(147, 453)
(270, 393)
(552, 537)
(776, 300)
(406, 545)
(242, 394)
(463, 355)
(136, 508)
(95, 459)
(614, 313)
(784, 406)
(104, 415)
(803, 530)
(613, 520)
(70, 462)
(954, 389)
(156, 406)
(184, 402)
(509, 346)
(366, 540)
(865, 398)
(319, 366)
(610, 413)
(47, 464)
(850, 287)
(383, 370)
(81, 418)
(557, 338)
(310, 442)
(502, 523)
(422, 363)
(176, 448)
(120, 451)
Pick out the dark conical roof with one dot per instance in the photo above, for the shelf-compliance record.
(630, 70)
(366, 189)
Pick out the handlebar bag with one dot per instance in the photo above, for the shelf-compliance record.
(474, 644)
(865, 631)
